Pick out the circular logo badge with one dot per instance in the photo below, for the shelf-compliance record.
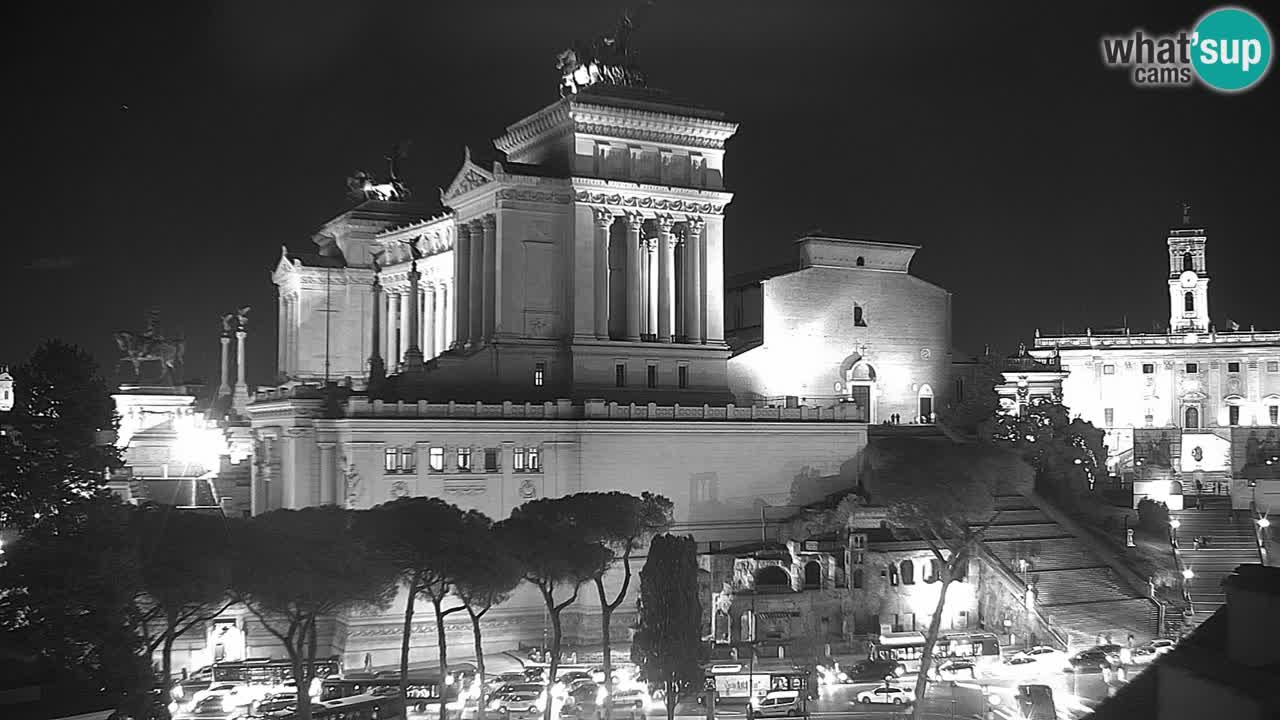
(1231, 49)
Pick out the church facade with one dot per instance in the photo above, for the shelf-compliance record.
(1195, 407)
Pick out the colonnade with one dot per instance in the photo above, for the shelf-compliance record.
(660, 253)
(433, 320)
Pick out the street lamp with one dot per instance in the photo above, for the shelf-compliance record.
(1174, 524)
(1187, 574)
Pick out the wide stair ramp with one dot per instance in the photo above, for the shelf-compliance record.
(1232, 542)
(1076, 591)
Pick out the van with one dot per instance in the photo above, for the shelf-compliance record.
(778, 703)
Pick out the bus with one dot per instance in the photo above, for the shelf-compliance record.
(368, 706)
(732, 681)
(258, 671)
(423, 690)
(906, 648)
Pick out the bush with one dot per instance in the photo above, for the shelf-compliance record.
(1153, 517)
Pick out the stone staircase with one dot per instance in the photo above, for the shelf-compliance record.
(1232, 542)
(1076, 591)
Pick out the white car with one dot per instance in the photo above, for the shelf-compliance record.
(233, 694)
(1161, 645)
(1025, 664)
(1044, 652)
(888, 695)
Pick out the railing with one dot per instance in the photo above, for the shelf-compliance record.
(1125, 339)
(1020, 584)
(598, 410)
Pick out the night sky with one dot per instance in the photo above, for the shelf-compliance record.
(160, 155)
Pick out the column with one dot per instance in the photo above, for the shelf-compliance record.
(475, 330)
(666, 279)
(223, 388)
(489, 321)
(644, 284)
(329, 492)
(405, 317)
(634, 294)
(462, 275)
(241, 397)
(282, 307)
(693, 273)
(604, 220)
(444, 327)
(393, 330)
(430, 346)
(713, 279)
(413, 321)
(652, 318)
(377, 370)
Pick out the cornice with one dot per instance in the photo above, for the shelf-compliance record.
(651, 125)
(583, 427)
(654, 198)
(524, 133)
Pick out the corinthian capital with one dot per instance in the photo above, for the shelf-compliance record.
(603, 217)
(634, 221)
(695, 224)
(665, 223)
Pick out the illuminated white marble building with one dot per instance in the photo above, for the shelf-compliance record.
(1198, 403)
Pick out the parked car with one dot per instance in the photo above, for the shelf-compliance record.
(888, 694)
(520, 687)
(1022, 664)
(568, 678)
(779, 703)
(1161, 645)
(518, 703)
(213, 707)
(506, 678)
(281, 705)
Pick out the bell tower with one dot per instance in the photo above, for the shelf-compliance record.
(1188, 278)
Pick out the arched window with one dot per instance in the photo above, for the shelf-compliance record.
(1189, 302)
(908, 572)
(932, 573)
(861, 261)
(857, 578)
(772, 576)
(1192, 418)
(812, 574)
(1188, 261)
(858, 319)
(893, 574)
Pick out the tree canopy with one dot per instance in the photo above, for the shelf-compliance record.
(1067, 453)
(295, 567)
(668, 640)
(54, 448)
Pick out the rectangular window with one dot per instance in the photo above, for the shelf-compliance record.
(1273, 411)
(959, 389)
(1233, 367)
(490, 459)
(1233, 415)
(535, 460)
(539, 373)
(1110, 417)
(464, 459)
(1273, 366)
(517, 460)
(651, 376)
(1192, 368)
(1148, 368)
(1149, 419)
(389, 459)
(682, 376)
(437, 459)
(408, 460)
(1108, 369)
(620, 375)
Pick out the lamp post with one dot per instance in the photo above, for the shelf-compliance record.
(1174, 524)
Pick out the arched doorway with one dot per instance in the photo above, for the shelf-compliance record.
(1191, 418)
(925, 401)
(772, 577)
(812, 575)
(861, 381)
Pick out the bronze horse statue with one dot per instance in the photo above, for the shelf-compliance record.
(137, 349)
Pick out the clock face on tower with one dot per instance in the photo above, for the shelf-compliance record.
(1188, 279)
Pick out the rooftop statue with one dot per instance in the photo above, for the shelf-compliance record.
(363, 185)
(606, 60)
(151, 346)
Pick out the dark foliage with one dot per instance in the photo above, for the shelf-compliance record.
(667, 644)
(1153, 516)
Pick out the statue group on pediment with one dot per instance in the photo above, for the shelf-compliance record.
(608, 59)
(151, 346)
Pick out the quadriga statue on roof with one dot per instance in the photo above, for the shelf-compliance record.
(606, 60)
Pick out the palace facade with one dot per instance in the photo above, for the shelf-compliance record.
(1197, 406)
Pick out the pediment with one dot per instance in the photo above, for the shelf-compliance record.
(469, 177)
(284, 265)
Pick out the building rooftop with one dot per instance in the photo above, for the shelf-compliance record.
(1126, 339)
